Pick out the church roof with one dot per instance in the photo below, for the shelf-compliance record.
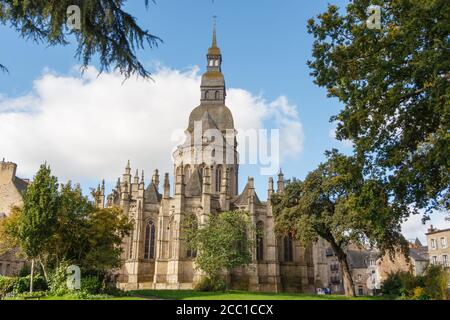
(20, 184)
(152, 194)
(194, 184)
(219, 114)
(242, 199)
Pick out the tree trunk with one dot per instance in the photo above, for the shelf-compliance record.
(32, 276)
(43, 270)
(349, 288)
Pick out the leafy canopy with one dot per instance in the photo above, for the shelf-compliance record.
(222, 243)
(336, 202)
(106, 30)
(394, 84)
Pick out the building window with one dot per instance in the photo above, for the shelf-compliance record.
(433, 243)
(130, 252)
(8, 269)
(1, 268)
(260, 241)
(288, 248)
(360, 290)
(218, 178)
(434, 260)
(334, 267)
(444, 242)
(150, 235)
(445, 261)
(190, 252)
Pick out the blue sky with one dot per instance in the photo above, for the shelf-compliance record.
(265, 47)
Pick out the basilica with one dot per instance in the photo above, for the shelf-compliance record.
(205, 182)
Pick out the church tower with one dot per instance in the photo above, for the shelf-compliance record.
(210, 136)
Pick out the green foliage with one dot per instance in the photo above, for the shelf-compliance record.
(20, 285)
(419, 293)
(91, 285)
(394, 83)
(436, 281)
(106, 30)
(57, 280)
(6, 285)
(222, 243)
(339, 204)
(432, 285)
(208, 285)
(39, 214)
(400, 283)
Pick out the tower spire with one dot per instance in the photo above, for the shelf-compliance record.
(214, 40)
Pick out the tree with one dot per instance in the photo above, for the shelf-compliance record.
(221, 243)
(337, 203)
(85, 235)
(37, 221)
(105, 29)
(394, 84)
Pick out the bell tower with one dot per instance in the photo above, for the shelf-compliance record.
(213, 88)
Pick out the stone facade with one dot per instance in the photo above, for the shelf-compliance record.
(362, 264)
(438, 247)
(206, 172)
(11, 190)
(416, 264)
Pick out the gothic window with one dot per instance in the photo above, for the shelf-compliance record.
(217, 62)
(217, 97)
(218, 178)
(288, 248)
(193, 225)
(130, 252)
(260, 241)
(150, 234)
(187, 172)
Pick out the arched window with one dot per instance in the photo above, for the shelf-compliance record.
(130, 250)
(193, 225)
(150, 234)
(187, 172)
(260, 241)
(288, 248)
(217, 95)
(218, 178)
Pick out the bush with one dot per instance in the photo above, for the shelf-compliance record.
(436, 280)
(400, 283)
(22, 284)
(57, 280)
(419, 293)
(18, 285)
(91, 285)
(6, 285)
(207, 285)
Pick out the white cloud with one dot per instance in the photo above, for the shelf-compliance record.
(414, 228)
(87, 128)
(345, 143)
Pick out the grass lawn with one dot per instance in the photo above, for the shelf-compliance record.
(238, 295)
(197, 295)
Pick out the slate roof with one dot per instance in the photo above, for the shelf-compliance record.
(152, 195)
(242, 199)
(194, 185)
(359, 259)
(417, 255)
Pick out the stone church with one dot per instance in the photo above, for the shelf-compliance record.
(205, 179)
